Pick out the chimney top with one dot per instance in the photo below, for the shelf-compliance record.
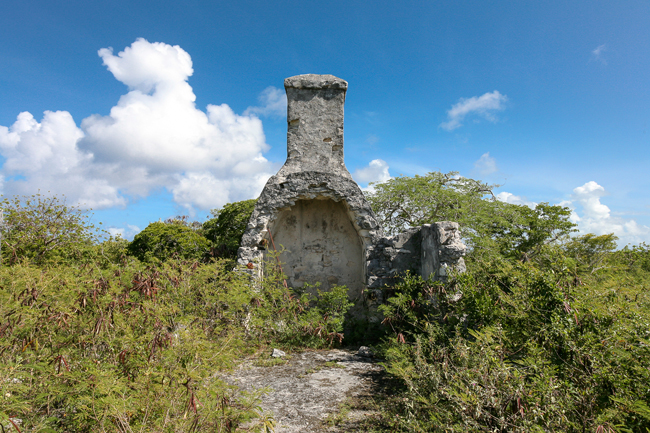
(314, 81)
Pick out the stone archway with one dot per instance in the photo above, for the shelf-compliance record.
(319, 243)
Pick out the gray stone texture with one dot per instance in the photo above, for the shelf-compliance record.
(302, 392)
(315, 124)
(442, 250)
(431, 251)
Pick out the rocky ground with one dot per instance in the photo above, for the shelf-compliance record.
(314, 391)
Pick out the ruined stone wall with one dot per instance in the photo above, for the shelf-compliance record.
(430, 251)
(318, 218)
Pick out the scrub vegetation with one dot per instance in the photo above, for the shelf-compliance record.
(547, 331)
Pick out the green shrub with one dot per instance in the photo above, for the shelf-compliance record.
(227, 227)
(295, 318)
(522, 349)
(42, 229)
(132, 348)
(135, 347)
(163, 241)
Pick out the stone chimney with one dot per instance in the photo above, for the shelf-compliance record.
(317, 219)
(312, 212)
(315, 124)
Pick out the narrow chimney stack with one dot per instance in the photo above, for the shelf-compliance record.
(315, 124)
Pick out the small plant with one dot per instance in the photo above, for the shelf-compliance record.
(336, 418)
(270, 362)
(333, 364)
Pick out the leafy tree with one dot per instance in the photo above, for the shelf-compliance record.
(113, 250)
(404, 202)
(41, 228)
(228, 225)
(529, 230)
(590, 251)
(634, 258)
(488, 225)
(165, 240)
(184, 220)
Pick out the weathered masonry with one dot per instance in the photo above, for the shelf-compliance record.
(317, 216)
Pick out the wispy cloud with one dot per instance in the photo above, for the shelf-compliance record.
(486, 165)
(484, 106)
(598, 54)
(273, 102)
(372, 139)
(153, 138)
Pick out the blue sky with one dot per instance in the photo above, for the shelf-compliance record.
(145, 110)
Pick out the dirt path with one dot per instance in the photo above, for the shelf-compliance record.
(316, 391)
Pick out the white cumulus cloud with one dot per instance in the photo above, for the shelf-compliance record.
(376, 171)
(507, 197)
(591, 215)
(597, 218)
(154, 137)
(127, 232)
(484, 106)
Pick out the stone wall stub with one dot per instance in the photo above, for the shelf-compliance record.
(442, 250)
(430, 251)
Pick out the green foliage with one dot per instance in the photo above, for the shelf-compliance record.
(488, 226)
(295, 317)
(136, 348)
(404, 202)
(635, 259)
(590, 251)
(42, 228)
(162, 241)
(529, 230)
(227, 226)
(109, 252)
(510, 347)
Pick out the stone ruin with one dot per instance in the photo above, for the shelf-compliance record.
(315, 215)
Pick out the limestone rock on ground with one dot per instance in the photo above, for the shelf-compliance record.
(309, 389)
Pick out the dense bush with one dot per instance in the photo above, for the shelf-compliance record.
(165, 240)
(227, 227)
(136, 348)
(544, 333)
(510, 347)
(42, 228)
